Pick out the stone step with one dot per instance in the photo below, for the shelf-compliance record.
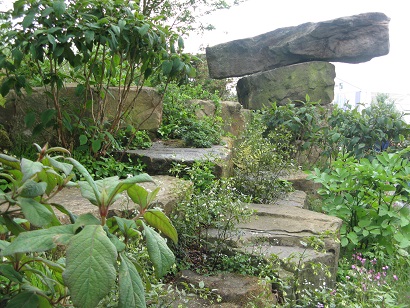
(162, 155)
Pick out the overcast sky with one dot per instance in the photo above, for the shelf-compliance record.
(388, 74)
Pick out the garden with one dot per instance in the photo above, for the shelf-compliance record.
(359, 156)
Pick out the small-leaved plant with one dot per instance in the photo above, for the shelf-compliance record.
(97, 259)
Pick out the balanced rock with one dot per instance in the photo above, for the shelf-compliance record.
(289, 83)
(351, 39)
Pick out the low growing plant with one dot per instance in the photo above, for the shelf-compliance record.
(96, 251)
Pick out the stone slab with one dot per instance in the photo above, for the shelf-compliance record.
(160, 157)
(351, 39)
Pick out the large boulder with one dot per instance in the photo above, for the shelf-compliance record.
(289, 83)
(352, 39)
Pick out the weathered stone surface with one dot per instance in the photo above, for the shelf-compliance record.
(235, 290)
(351, 39)
(146, 111)
(299, 180)
(166, 199)
(290, 83)
(159, 158)
(295, 198)
(283, 231)
(234, 115)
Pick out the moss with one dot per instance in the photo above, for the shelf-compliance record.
(5, 142)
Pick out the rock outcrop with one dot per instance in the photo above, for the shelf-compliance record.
(351, 39)
(287, 84)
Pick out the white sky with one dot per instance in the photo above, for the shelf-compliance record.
(387, 74)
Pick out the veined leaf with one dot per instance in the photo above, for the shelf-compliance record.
(31, 189)
(9, 272)
(123, 185)
(88, 178)
(39, 240)
(30, 168)
(160, 254)
(130, 285)
(91, 261)
(160, 221)
(24, 299)
(35, 212)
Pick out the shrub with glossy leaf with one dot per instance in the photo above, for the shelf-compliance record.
(371, 197)
(93, 248)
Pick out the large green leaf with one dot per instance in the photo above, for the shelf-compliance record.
(90, 266)
(160, 254)
(128, 183)
(10, 161)
(24, 299)
(141, 196)
(130, 285)
(88, 178)
(8, 271)
(39, 240)
(35, 212)
(30, 168)
(31, 189)
(64, 167)
(157, 219)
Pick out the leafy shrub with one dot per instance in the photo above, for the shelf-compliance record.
(318, 133)
(96, 252)
(260, 161)
(371, 197)
(213, 213)
(181, 122)
(304, 122)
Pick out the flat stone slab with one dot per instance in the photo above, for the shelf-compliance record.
(167, 198)
(351, 39)
(159, 158)
(295, 198)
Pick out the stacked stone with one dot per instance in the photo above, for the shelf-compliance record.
(286, 64)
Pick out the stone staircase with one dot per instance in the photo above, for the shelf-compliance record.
(282, 230)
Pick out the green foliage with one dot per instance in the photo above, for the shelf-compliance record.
(304, 122)
(371, 198)
(96, 253)
(260, 160)
(201, 174)
(107, 166)
(180, 119)
(217, 211)
(319, 134)
(97, 44)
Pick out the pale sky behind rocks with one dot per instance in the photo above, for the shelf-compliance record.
(386, 74)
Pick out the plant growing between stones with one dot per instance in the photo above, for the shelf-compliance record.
(260, 161)
(96, 250)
